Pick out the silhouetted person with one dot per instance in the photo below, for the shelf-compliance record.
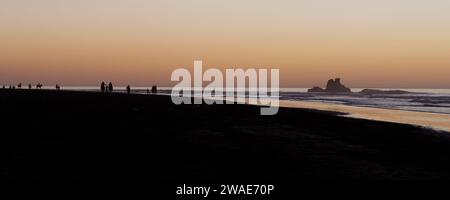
(29, 86)
(128, 89)
(110, 87)
(57, 87)
(4, 87)
(154, 89)
(19, 86)
(103, 87)
(39, 86)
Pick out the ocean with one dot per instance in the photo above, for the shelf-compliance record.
(422, 100)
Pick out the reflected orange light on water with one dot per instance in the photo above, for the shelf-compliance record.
(431, 120)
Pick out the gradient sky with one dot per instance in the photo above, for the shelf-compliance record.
(384, 43)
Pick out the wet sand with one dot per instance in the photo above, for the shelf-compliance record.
(88, 135)
(429, 120)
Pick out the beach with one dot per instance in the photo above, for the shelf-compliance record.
(90, 135)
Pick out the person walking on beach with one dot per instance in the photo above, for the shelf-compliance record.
(29, 86)
(128, 89)
(102, 87)
(110, 87)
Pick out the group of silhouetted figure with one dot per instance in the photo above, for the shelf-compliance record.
(109, 88)
(38, 86)
(106, 88)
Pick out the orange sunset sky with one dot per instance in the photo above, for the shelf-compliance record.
(384, 43)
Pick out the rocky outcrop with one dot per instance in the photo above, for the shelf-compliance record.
(316, 89)
(333, 86)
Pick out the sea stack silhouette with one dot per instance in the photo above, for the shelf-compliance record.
(333, 86)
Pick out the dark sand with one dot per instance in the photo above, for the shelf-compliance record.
(87, 135)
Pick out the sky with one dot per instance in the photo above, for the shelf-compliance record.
(384, 43)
